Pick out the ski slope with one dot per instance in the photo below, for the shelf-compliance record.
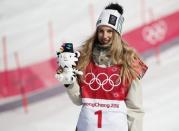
(160, 93)
(25, 25)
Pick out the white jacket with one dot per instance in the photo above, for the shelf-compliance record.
(133, 101)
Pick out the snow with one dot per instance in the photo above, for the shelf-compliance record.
(25, 25)
(160, 92)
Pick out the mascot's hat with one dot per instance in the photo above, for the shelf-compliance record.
(68, 47)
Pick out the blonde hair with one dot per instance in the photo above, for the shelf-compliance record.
(120, 53)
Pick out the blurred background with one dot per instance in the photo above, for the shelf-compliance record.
(32, 31)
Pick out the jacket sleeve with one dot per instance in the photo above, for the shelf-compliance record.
(134, 105)
(73, 92)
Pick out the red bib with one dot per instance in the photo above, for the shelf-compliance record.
(103, 83)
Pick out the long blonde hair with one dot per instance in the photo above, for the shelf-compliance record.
(120, 53)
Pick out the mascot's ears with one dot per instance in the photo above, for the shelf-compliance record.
(58, 53)
(77, 54)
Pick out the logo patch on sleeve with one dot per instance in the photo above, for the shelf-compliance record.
(112, 20)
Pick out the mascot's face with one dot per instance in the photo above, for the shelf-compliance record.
(67, 59)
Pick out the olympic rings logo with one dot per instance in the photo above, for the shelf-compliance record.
(102, 80)
(155, 33)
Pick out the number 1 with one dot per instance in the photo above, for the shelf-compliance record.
(99, 113)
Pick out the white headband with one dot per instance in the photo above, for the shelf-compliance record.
(111, 18)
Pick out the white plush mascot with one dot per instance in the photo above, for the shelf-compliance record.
(67, 59)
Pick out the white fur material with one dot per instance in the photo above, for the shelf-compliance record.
(67, 76)
(66, 61)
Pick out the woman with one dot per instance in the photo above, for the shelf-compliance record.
(109, 89)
